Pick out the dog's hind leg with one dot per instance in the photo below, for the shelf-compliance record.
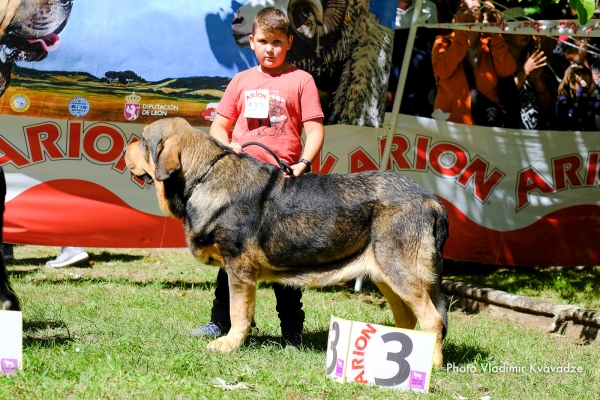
(242, 299)
(414, 276)
(430, 320)
(403, 315)
(417, 300)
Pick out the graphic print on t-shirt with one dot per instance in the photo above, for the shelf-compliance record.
(274, 125)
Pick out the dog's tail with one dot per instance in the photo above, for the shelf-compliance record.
(440, 233)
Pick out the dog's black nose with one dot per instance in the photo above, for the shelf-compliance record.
(125, 150)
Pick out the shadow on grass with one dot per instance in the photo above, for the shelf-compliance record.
(30, 261)
(568, 283)
(347, 288)
(462, 354)
(107, 257)
(45, 333)
(311, 341)
(102, 257)
(22, 272)
(169, 284)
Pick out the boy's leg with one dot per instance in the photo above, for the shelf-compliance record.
(220, 309)
(291, 315)
(220, 322)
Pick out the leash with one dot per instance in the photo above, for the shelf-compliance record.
(212, 163)
(282, 164)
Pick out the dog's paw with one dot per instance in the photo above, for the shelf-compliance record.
(223, 344)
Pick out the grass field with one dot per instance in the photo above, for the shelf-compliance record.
(120, 329)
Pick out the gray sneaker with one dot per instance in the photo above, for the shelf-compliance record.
(69, 256)
(211, 329)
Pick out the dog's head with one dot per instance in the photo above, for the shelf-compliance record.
(164, 158)
(29, 31)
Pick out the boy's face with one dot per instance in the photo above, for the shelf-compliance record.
(270, 48)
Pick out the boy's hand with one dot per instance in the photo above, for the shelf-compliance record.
(236, 147)
(298, 170)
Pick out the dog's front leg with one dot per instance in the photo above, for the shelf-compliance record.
(242, 298)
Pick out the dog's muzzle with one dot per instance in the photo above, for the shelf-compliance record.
(146, 178)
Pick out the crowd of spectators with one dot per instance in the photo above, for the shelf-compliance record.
(501, 80)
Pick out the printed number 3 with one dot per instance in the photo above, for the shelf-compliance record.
(333, 347)
(398, 358)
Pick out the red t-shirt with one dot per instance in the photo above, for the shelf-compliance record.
(291, 100)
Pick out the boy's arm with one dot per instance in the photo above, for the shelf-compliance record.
(220, 128)
(315, 134)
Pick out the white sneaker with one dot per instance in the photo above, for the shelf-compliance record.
(69, 256)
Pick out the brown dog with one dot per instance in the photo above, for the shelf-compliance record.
(316, 230)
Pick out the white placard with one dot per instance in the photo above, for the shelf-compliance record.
(337, 348)
(11, 342)
(256, 103)
(380, 355)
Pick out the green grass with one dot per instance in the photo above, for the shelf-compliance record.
(120, 329)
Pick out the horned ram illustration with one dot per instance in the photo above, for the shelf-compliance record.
(342, 45)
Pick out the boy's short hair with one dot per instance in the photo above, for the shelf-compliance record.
(271, 19)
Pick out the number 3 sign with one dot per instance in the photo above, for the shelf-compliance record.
(379, 355)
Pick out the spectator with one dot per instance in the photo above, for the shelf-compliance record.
(487, 54)
(534, 96)
(575, 109)
(419, 80)
(588, 59)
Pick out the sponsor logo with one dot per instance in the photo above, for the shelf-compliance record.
(339, 367)
(132, 107)
(79, 107)
(417, 380)
(9, 366)
(20, 102)
(210, 112)
(159, 110)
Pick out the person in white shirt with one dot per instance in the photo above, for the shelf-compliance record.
(406, 10)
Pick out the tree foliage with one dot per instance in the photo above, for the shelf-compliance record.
(585, 9)
(556, 9)
(123, 77)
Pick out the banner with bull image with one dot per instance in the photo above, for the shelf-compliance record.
(139, 60)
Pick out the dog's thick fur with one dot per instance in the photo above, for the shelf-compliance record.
(8, 299)
(316, 230)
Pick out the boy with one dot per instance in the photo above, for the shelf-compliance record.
(269, 103)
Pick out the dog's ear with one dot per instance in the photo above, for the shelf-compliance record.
(167, 160)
